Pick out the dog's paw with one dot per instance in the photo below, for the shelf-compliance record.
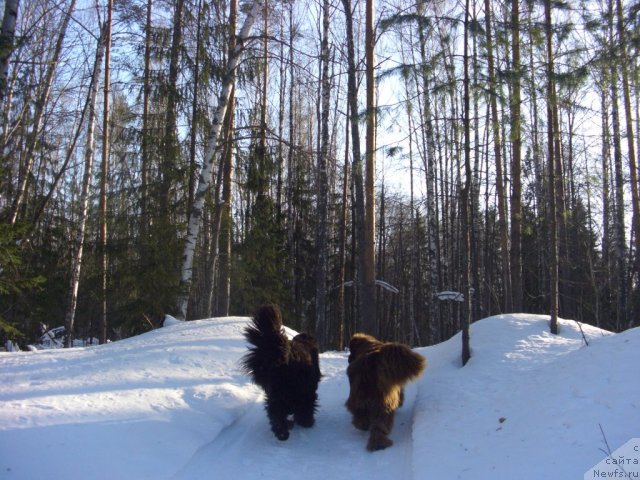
(282, 435)
(378, 442)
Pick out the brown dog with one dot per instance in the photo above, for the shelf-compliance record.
(377, 373)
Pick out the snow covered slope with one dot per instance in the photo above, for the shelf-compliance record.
(173, 403)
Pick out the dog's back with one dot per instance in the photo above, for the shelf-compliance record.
(304, 363)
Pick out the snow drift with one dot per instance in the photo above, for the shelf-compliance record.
(173, 403)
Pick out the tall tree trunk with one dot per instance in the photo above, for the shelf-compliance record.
(497, 148)
(607, 207)
(370, 323)
(619, 215)
(224, 275)
(464, 203)
(357, 170)
(474, 200)
(516, 162)
(7, 35)
(620, 249)
(102, 329)
(430, 174)
(551, 137)
(171, 149)
(542, 283)
(89, 150)
(40, 107)
(206, 174)
(322, 332)
(216, 220)
(342, 249)
(631, 152)
(146, 139)
(291, 164)
(226, 219)
(414, 239)
(281, 115)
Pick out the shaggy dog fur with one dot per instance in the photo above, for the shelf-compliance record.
(377, 374)
(287, 370)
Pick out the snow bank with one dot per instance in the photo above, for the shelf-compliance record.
(529, 404)
(173, 403)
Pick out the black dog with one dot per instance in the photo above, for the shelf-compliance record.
(287, 370)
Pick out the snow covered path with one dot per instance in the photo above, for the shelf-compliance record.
(174, 404)
(333, 448)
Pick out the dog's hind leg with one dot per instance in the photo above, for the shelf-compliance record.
(277, 414)
(380, 429)
(304, 412)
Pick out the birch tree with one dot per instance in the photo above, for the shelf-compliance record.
(206, 174)
(89, 154)
(7, 35)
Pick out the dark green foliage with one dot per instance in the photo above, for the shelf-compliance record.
(26, 297)
(261, 266)
(260, 262)
(16, 281)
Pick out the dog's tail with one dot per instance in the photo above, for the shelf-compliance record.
(270, 344)
(400, 364)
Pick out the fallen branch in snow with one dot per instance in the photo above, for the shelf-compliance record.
(609, 454)
(584, 337)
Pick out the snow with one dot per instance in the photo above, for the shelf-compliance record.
(174, 404)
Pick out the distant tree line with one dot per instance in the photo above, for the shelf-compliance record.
(370, 158)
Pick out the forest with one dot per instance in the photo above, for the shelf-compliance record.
(400, 167)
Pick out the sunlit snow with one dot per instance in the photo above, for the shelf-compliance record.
(173, 403)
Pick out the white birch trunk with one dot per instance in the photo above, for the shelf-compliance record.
(84, 194)
(7, 35)
(205, 177)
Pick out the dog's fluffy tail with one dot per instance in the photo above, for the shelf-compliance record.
(400, 364)
(270, 344)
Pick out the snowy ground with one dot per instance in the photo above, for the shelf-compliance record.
(173, 404)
